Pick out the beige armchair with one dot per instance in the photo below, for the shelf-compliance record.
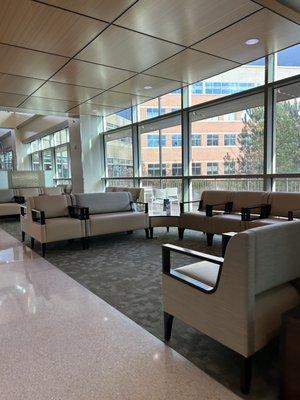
(51, 219)
(238, 300)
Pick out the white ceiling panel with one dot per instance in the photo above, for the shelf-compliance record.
(274, 33)
(190, 66)
(18, 84)
(115, 99)
(92, 75)
(10, 100)
(126, 49)
(44, 104)
(185, 22)
(93, 109)
(62, 91)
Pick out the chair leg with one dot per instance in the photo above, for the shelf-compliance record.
(43, 249)
(180, 233)
(32, 243)
(83, 242)
(209, 238)
(151, 232)
(129, 232)
(246, 374)
(168, 229)
(168, 323)
(23, 236)
(147, 233)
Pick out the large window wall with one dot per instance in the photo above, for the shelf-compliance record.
(51, 154)
(239, 130)
(6, 160)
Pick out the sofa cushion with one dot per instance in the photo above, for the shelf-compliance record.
(264, 221)
(99, 224)
(242, 199)
(102, 203)
(203, 271)
(9, 209)
(53, 206)
(282, 203)
(6, 196)
(225, 223)
(215, 197)
(194, 220)
(63, 228)
(135, 192)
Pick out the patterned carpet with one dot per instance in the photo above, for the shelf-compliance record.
(125, 271)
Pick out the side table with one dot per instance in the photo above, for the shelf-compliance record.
(156, 221)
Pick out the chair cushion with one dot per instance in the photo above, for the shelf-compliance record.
(9, 209)
(247, 198)
(53, 206)
(225, 223)
(6, 196)
(203, 271)
(117, 222)
(63, 228)
(194, 220)
(264, 221)
(102, 203)
(282, 203)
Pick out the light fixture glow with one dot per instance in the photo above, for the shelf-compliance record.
(147, 87)
(252, 41)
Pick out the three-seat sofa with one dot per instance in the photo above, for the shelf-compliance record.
(222, 211)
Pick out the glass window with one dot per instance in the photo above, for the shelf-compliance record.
(286, 185)
(46, 142)
(152, 112)
(6, 160)
(196, 139)
(154, 170)
(62, 161)
(143, 108)
(176, 140)
(196, 168)
(243, 138)
(170, 102)
(229, 139)
(61, 137)
(287, 62)
(234, 81)
(47, 160)
(36, 162)
(153, 140)
(118, 119)
(149, 150)
(229, 167)
(119, 154)
(286, 129)
(212, 140)
(176, 169)
(230, 117)
(34, 146)
(212, 168)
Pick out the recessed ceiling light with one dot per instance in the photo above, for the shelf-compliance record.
(252, 41)
(147, 87)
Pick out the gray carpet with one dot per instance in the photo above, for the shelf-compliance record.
(125, 271)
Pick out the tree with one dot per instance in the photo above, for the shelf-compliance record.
(287, 138)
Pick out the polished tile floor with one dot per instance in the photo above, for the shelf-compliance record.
(59, 341)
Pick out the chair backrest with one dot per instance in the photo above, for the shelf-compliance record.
(29, 192)
(102, 203)
(282, 203)
(159, 193)
(271, 257)
(53, 206)
(51, 191)
(6, 196)
(135, 192)
(249, 198)
(215, 197)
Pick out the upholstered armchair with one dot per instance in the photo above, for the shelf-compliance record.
(9, 203)
(52, 219)
(238, 300)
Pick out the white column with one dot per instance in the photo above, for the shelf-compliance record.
(75, 154)
(20, 151)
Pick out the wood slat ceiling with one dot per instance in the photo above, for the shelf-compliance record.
(96, 56)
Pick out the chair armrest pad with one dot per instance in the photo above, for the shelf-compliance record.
(19, 199)
(141, 203)
(78, 212)
(38, 216)
(182, 203)
(227, 208)
(265, 210)
(23, 209)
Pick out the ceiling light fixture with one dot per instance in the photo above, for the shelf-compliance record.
(147, 87)
(252, 41)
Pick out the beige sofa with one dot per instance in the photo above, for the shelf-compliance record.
(49, 219)
(112, 212)
(222, 211)
(238, 300)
